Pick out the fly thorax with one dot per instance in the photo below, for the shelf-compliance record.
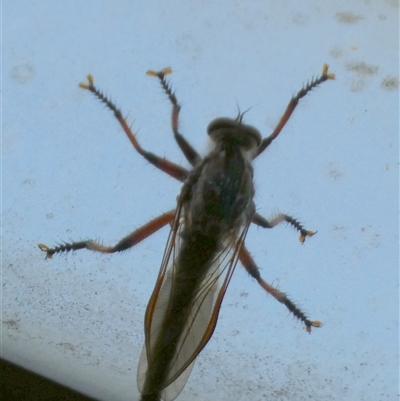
(223, 192)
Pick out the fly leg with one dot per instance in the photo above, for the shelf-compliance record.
(191, 155)
(279, 218)
(292, 105)
(172, 169)
(251, 267)
(128, 242)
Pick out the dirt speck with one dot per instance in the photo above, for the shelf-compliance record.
(11, 324)
(357, 85)
(393, 3)
(336, 52)
(390, 83)
(362, 68)
(334, 171)
(22, 73)
(347, 17)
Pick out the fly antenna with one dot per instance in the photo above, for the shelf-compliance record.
(239, 118)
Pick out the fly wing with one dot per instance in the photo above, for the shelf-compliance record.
(204, 309)
(158, 303)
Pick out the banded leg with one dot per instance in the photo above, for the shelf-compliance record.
(172, 169)
(250, 265)
(191, 155)
(292, 105)
(128, 242)
(279, 218)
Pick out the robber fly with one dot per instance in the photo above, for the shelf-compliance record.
(208, 230)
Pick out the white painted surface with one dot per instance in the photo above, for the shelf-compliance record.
(70, 173)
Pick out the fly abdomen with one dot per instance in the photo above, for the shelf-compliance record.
(193, 262)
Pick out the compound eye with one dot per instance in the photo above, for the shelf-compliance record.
(218, 124)
(229, 132)
(253, 135)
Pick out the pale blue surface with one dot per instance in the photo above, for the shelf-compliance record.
(70, 173)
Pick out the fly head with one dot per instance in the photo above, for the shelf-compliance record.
(230, 133)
